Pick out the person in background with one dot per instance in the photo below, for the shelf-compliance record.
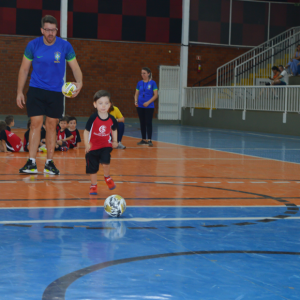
(145, 95)
(42, 147)
(63, 135)
(294, 63)
(74, 142)
(283, 77)
(10, 122)
(276, 73)
(9, 142)
(115, 112)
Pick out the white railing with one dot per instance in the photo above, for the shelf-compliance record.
(259, 66)
(225, 73)
(267, 98)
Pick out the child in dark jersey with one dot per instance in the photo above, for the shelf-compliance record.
(42, 147)
(9, 142)
(100, 136)
(74, 142)
(10, 122)
(63, 135)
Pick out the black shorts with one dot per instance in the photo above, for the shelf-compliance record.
(96, 157)
(44, 103)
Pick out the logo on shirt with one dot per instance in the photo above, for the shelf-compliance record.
(57, 57)
(149, 86)
(102, 131)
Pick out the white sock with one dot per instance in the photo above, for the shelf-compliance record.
(32, 160)
(48, 160)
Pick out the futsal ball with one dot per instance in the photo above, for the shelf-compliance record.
(68, 88)
(115, 205)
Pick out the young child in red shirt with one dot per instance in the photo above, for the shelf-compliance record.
(10, 142)
(63, 135)
(100, 136)
(74, 142)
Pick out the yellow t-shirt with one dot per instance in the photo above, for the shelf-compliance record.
(116, 113)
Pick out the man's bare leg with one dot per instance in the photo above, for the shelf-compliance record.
(35, 135)
(50, 136)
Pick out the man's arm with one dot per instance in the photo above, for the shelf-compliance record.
(77, 75)
(23, 74)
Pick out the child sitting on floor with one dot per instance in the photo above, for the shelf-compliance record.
(74, 142)
(10, 142)
(63, 135)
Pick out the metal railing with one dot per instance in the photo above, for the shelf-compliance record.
(260, 98)
(260, 65)
(225, 73)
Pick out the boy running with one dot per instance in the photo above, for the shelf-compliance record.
(100, 136)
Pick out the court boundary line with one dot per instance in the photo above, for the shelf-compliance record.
(144, 220)
(146, 206)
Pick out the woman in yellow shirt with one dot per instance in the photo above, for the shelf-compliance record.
(115, 112)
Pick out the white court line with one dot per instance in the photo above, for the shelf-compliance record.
(257, 182)
(235, 182)
(61, 181)
(212, 182)
(281, 182)
(142, 206)
(142, 220)
(84, 181)
(188, 182)
(33, 181)
(163, 182)
(8, 181)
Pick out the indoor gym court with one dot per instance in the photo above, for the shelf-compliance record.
(211, 214)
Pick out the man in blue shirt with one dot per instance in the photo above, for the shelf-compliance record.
(47, 54)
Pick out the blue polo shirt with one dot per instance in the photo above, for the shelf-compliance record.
(146, 92)
(48, 63)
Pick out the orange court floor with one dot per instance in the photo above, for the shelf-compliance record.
(164, 175)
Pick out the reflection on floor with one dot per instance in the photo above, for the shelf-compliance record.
(211, 214)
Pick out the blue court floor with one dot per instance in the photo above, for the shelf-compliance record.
(234, 240)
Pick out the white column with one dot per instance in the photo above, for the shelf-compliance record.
(184, 53)
(64, 29)
(64, 19)
(230, 22)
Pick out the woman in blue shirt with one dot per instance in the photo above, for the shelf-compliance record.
(145, 95)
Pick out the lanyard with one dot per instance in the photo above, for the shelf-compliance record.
(144, 88)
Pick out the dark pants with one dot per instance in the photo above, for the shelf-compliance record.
(146, 115)
(121, 128)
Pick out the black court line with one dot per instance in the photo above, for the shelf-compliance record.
(57, 289)
(63, 227)
(151, 176)
(100, 198)
(17, 225)
(261, 196)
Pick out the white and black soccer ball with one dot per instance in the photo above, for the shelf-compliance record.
(68, 88)
(115, 206)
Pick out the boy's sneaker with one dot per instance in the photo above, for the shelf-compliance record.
(29, 168)
(150, 144)
(110, 183)
(121, 146)
(142, 142)
(93, 189)
(64, 148)
(50, 168)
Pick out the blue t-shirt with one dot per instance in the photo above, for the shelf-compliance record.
(48, 63)
(146, 92)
